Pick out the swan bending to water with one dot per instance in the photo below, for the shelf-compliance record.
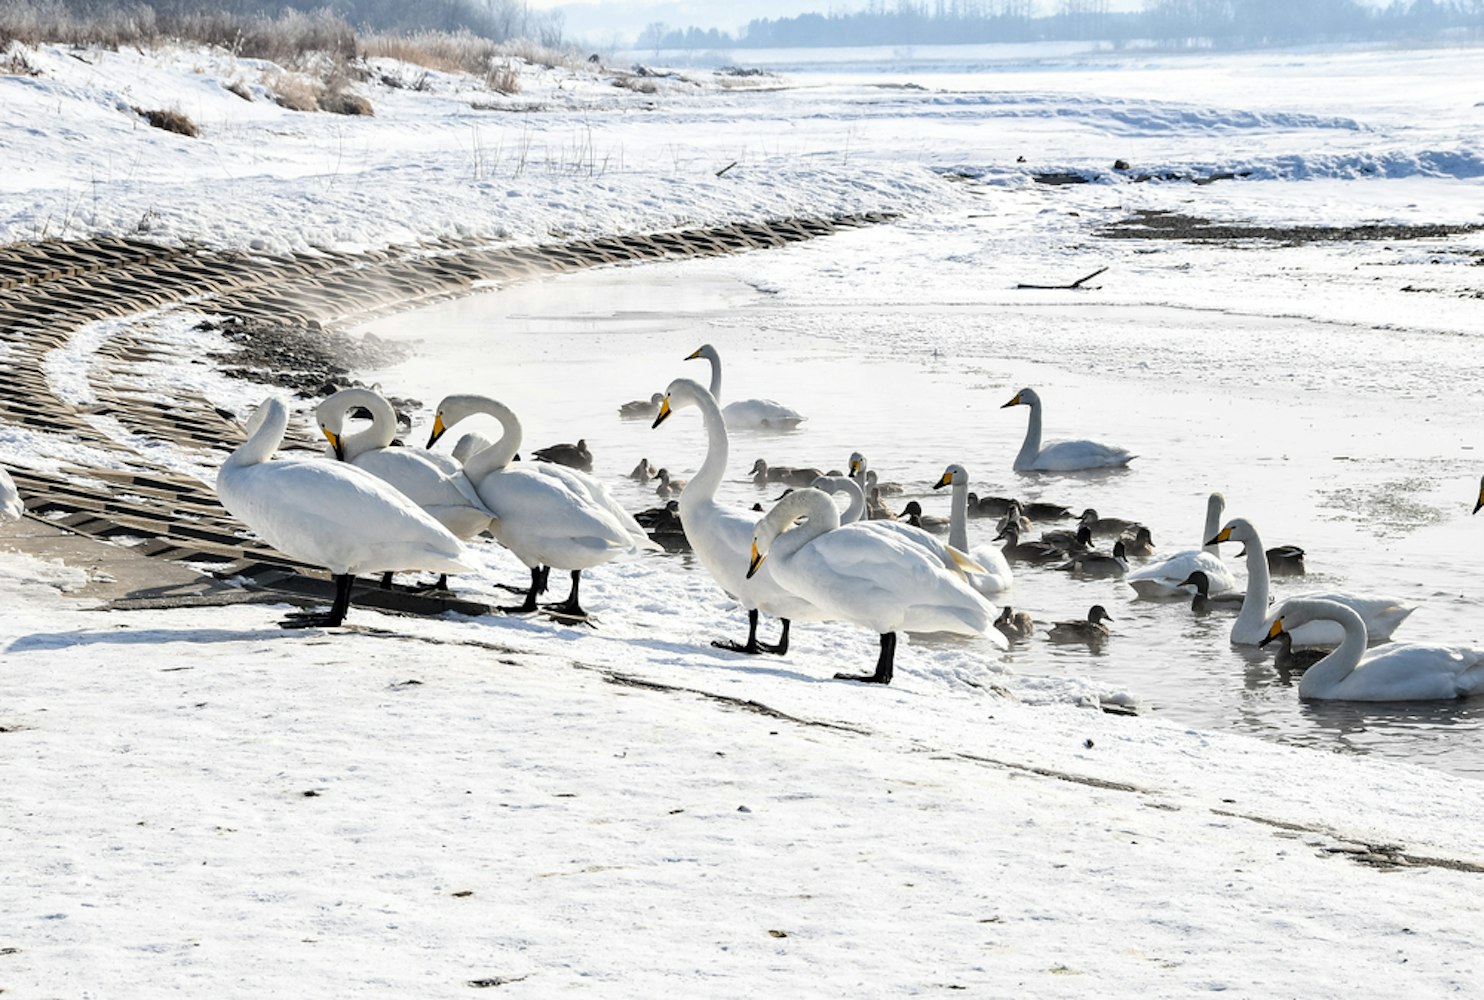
(1167, 578)
(1402, 673)
(747, 414)
(721, 536)
(11, 507)
(872, 578)
(548, 515)
(1060, 456)
(996, 576)
(330, 514)
(1381, 615)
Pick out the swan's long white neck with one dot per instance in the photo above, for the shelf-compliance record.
(383, 427)
(707, 480)
(856, 508)
(777, 531)
(265, 430)
(1341, 662)
(496, 456)
(958, 515)
(1215, 507)
(1255, 604)
(1031, 447)
(709, 353)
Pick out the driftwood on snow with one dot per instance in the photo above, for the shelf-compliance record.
(1073, 286)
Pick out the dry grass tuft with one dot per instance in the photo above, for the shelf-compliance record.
(294, 91)
(503, 79)
(170, 121)
(345, 103)
(240, 89)
(15, 63)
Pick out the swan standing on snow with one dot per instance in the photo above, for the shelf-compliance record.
(872, 578)
(418, 474)
(1402, 673)
(330, 514)
(996, 576)
(1381, 615)
(548, 515)
(1060, 456)
(1166, 579)
(11, 507)
(747, 414)
(721, 537)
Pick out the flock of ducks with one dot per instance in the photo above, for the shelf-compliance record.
(377, 506)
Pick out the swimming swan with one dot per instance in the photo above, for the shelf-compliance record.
(996, 576)
(1060, 456)
(1400, 673)
(1166, 579)
(1381, 615)
(11, 507)
(747, 414)
(548, 515)
(721, 536)
(872, 578)
(330, 514)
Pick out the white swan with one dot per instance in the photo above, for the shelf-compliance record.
(873, 578)
(747, 414)
(1060, 456)
(417, 473)
(548, 515)
(1165, 579)
(855, 498)
(996, 576)
(1401, 673)
(1381, 614)
(330, 514)
(11, 507)
(721, 536)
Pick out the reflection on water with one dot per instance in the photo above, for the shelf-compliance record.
(924, 390)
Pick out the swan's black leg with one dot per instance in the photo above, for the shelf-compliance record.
(781, 646)
(751, 646)
(386, 580)
(441, 587)
(530, 602)
(325, 619)
(570, 607)
(883, 663)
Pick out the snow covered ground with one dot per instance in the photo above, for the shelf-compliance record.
(195, 802)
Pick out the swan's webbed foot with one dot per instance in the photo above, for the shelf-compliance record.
(570, 610)
(752, 647)
(780, 647)
(884, 663)
(386, 580)
(312, 619)
(538, 584)
(441, 587)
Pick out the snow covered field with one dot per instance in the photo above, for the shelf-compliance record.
(195, 802)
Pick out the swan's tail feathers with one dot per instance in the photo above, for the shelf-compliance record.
(1386, 621)
(1471, 681)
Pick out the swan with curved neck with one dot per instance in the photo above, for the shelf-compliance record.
(744, 414)
(1400, 673)
(1166, 579)
(997, 576)
(1060, 456)
(329, 514)
(1381, 614)
(872, 578)
(548, 515)
(855, 497)
(721, 537)
(448, 496)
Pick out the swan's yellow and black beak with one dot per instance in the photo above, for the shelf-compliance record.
(438, 430)
(946, 480)
(665, 410)
(1224, 535)
(1273, 633)
(335, 443)
(757, 560)
(1480, 502)
(855, 466)
(1014, 402)
(693, 354)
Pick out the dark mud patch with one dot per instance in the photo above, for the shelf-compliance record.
(1149, 224)
(302, 357)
